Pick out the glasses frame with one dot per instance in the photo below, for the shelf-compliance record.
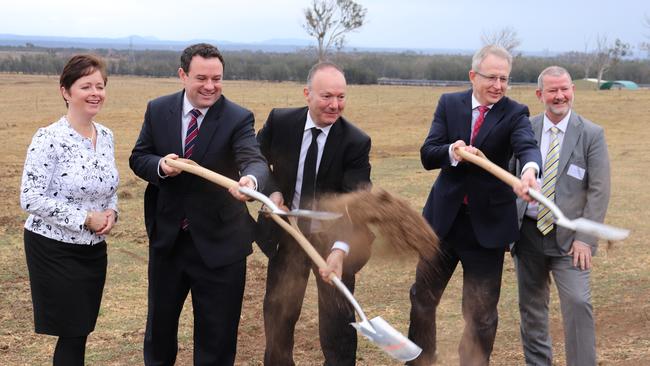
(493, 79)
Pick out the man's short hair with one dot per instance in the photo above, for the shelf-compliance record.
(551, 71)
(204, 50)
(491, 49)
(321, 66)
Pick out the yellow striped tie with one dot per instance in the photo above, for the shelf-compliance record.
(544, 216)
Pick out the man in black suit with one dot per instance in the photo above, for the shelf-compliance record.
(199, 235)
(290, 139)
(472, 212)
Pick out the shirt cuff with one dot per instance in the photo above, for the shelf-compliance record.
(531, 164)
(160, 172)
(345, 247)
(252, 177)
(453, 161)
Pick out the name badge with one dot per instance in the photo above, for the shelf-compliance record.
(576, 172)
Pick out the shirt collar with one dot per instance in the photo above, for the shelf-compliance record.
(310, 123)
(476, 104)
(562, 125)
(187, 107)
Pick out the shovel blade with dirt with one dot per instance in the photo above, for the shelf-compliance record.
(379, 332)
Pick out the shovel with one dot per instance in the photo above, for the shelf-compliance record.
(377, 330)
(580, 224)
(194, 168)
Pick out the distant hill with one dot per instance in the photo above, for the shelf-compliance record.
(151, 43)
(135, 43)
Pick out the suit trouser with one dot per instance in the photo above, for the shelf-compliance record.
(482, 269)
(216, 301)
(533, 275)
(286, 282)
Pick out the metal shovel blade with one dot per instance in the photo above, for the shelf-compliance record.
(580, 224)
(308, 214)
(597, 229)
(315, 215)
(379, 332)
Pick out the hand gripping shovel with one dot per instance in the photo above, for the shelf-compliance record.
(580, 224)
(377, 330)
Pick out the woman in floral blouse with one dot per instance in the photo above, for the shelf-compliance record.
(69, 188)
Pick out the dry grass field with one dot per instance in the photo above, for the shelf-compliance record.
(397, 119)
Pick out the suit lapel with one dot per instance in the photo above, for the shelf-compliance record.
(537, 123)
(294, 142)
(209, 126)
(573, 131)
(331, 145)
(491, 119)
(174, 125)
(466, 117)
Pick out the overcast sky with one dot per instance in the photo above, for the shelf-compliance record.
(555, 26)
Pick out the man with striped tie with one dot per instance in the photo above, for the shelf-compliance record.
(199, 233)
(576, 176)
(473, 213)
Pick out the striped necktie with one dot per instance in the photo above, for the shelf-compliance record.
(192, 133)
(190, 139)
(482, 110)
(544, 216)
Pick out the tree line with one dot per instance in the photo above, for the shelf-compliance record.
(360, 67)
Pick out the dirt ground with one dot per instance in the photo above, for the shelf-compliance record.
(397, 119)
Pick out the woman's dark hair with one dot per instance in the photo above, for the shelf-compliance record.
(79, 66)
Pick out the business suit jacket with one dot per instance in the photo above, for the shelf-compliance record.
(344, 166)
(583, 150)
(221, 226)
(506, 130)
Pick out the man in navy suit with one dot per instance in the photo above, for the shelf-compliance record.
(472, 212)
(341, 159)
(199, 234)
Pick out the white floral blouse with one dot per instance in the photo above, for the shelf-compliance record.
(64, 178)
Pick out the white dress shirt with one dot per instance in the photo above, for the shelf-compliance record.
(475, 114)
(186, 117)
(306, 141)
(532, 208)
(185, 122)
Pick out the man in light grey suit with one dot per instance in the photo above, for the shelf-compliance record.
(576, 175)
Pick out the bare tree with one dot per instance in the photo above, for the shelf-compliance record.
(645, 46)
(329, 20)
(607, 55)
(505, 37)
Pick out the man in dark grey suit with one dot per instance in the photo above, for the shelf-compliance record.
(199, 234)
(576, 175)
(340, 153)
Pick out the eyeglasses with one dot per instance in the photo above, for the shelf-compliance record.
(493, 79)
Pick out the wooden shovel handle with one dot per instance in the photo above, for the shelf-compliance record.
(482, 161)
(190, 166)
